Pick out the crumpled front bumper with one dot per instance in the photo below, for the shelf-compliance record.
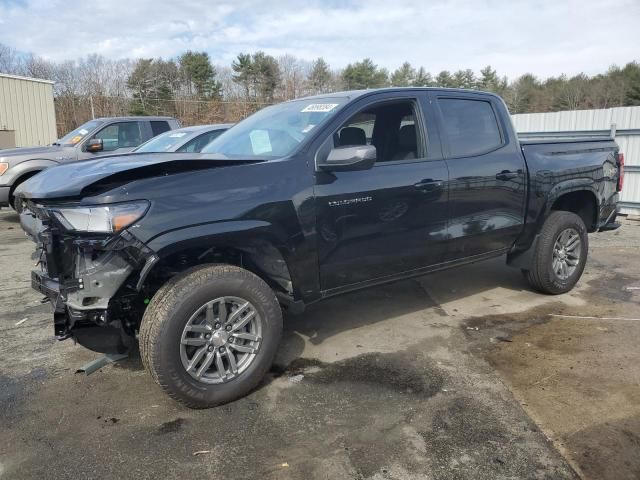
(93, 287)
(80, 275)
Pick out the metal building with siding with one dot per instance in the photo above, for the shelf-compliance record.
(27, 114)
(621, 122)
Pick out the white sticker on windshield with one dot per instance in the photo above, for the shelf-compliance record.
(320, 107)
(177, 135)
(260, 142)
(82, 131)
(308, 128)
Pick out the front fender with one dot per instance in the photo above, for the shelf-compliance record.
(209, 234)
(261, 244)
(28, 166)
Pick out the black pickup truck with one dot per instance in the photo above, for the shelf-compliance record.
(195, 255)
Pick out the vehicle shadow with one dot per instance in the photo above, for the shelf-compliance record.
(367, 307)
(9, 215)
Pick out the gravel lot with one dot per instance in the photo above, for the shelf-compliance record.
(465, 374)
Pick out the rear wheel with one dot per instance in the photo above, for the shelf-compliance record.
(560, 255)
(210, 334)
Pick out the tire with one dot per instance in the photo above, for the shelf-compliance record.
(11, 200)
(543, 274)
(189, 302)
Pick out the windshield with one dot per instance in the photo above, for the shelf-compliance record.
(165, 142)
(73, 137)
(275, 131)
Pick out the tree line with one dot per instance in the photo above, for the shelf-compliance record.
(195, 89)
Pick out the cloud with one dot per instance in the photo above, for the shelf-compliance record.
(546, 37)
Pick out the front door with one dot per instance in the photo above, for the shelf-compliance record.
(390, 219)
(119, 137)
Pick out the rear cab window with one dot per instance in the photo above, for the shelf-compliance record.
(159, 126)
(470, 126)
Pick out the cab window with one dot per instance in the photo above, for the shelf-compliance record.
(391, 127)
(470, 126)
(197, 144)
(120, 135)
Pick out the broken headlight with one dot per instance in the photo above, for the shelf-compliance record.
(103, 219)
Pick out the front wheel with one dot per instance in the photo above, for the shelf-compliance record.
(210, 334)
(560, 254)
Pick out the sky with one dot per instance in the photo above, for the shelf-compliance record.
(545, 37)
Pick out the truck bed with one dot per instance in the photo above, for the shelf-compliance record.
(560, 137)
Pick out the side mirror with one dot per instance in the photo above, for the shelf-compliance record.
(360, 157)
(94, 145)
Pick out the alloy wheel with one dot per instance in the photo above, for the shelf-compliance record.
(221, 340)
(566, 253)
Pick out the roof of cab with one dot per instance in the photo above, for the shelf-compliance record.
(130, 118)
(352, 94)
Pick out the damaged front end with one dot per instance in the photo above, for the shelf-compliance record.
(90, 267)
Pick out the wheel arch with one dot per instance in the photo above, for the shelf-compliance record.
(252, 245)
(25, 170)
(581, 201)
(571, 196)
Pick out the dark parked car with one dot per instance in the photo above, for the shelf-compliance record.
(194, 255)
(96, 137)
(186, 139)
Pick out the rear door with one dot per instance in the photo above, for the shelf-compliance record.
(390, 219)
(487, 181)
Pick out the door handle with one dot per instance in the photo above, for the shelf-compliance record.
(507, 175)
(429, 185)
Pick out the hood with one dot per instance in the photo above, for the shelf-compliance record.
(30, 153)
(91, 177)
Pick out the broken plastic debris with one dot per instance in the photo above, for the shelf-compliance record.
(100, 362)
(504, 339)
(201, 452)
(585, 317)
(296, 378)
(22, 321)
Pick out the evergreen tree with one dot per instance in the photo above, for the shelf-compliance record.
(320, 76)
(404, 76)
(445, 80)
(199, 74)
(364, 74)
(423, 78)
(259, 75)
(489, 80)
(267, 75)
(464, 79)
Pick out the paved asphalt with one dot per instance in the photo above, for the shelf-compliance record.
(465, 374)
